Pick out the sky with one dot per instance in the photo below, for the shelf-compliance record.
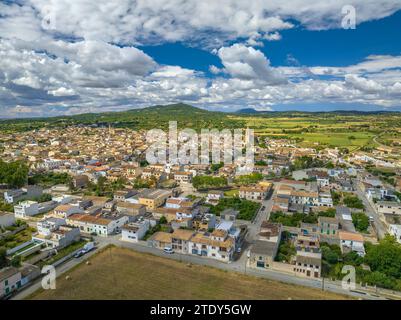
(64, 57)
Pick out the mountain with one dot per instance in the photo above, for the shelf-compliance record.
(247, 111)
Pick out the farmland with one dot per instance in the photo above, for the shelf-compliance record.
(117, 273)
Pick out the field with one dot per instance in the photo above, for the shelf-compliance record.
(118, 273)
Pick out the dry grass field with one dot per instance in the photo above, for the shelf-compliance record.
(118, 273)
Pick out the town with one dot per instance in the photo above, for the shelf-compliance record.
(300, 216)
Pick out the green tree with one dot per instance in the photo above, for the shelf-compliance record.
(3, 257)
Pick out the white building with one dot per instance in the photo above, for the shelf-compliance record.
(389, 207)
(26, 209)
(101, 226)
(395, 230)
(134, 231)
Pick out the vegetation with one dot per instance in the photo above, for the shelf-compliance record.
(8, 207)
(360, 221)
(286, 249)
(208, 182)
(248, 179)
(384, 261)
(292, 220)
(247, 209)
(14, 173)
(63, 253)
(49, 179)
(13, 240)
(306, 162)
(352, 201)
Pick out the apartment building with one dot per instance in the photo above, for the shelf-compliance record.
(389, 207)
(134, 231)
(216, 245)
(102, 226)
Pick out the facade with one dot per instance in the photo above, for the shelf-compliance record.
(10, 280)
(7, 219)
(99, 225)
(65, 210)
(133, 232)
(253, 193)
(350, 241)
(182, 176)
(216, 245)
(153, 198)
(328, 226)
(59, 238)
(389, 207)
(214, 196)
(26, 209)
(308, 264)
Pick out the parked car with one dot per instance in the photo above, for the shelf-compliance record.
(168, 250)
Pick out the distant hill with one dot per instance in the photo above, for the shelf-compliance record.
(247, 111)
(158, 116)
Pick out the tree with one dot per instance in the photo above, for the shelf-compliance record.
(3, 257)
(360, 221)
(16, 261)
(385, 257)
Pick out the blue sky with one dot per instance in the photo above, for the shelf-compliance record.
(336, 47)
(66, 57)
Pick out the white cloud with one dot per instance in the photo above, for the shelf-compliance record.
(245, 62)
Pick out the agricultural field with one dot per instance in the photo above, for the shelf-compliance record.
(118, 273)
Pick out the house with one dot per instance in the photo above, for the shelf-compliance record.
(134, 231)
(204, 221)
(216, 245)
(102, 226)
(214, 196)
(308, 264)
(131, 209)
(183, 177)
(59, 237)
(351, 241)
(262, 254)
(395, 230)
(10, 280)
(304, 197)
(123, 195)
(328, 226)
(153, 198)
(65, 210)
(389, 207)
(229, 214)
(270, 231)
(307, 243)
(46, 226)
(180, 240)
(25, 193)
(265, 248)
(80, 181)
(160, 240)
(26, 209)
(7, 219)
(253, 193)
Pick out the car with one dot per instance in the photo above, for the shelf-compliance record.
(168, 250)
(239, 250)
(79, 254)
(263, 208)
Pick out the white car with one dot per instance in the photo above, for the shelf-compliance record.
(168, 250)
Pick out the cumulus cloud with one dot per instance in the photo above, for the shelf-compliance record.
(247, 63)
(72, 56)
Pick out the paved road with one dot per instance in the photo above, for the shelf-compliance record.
(379, 225)
(63, 268)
